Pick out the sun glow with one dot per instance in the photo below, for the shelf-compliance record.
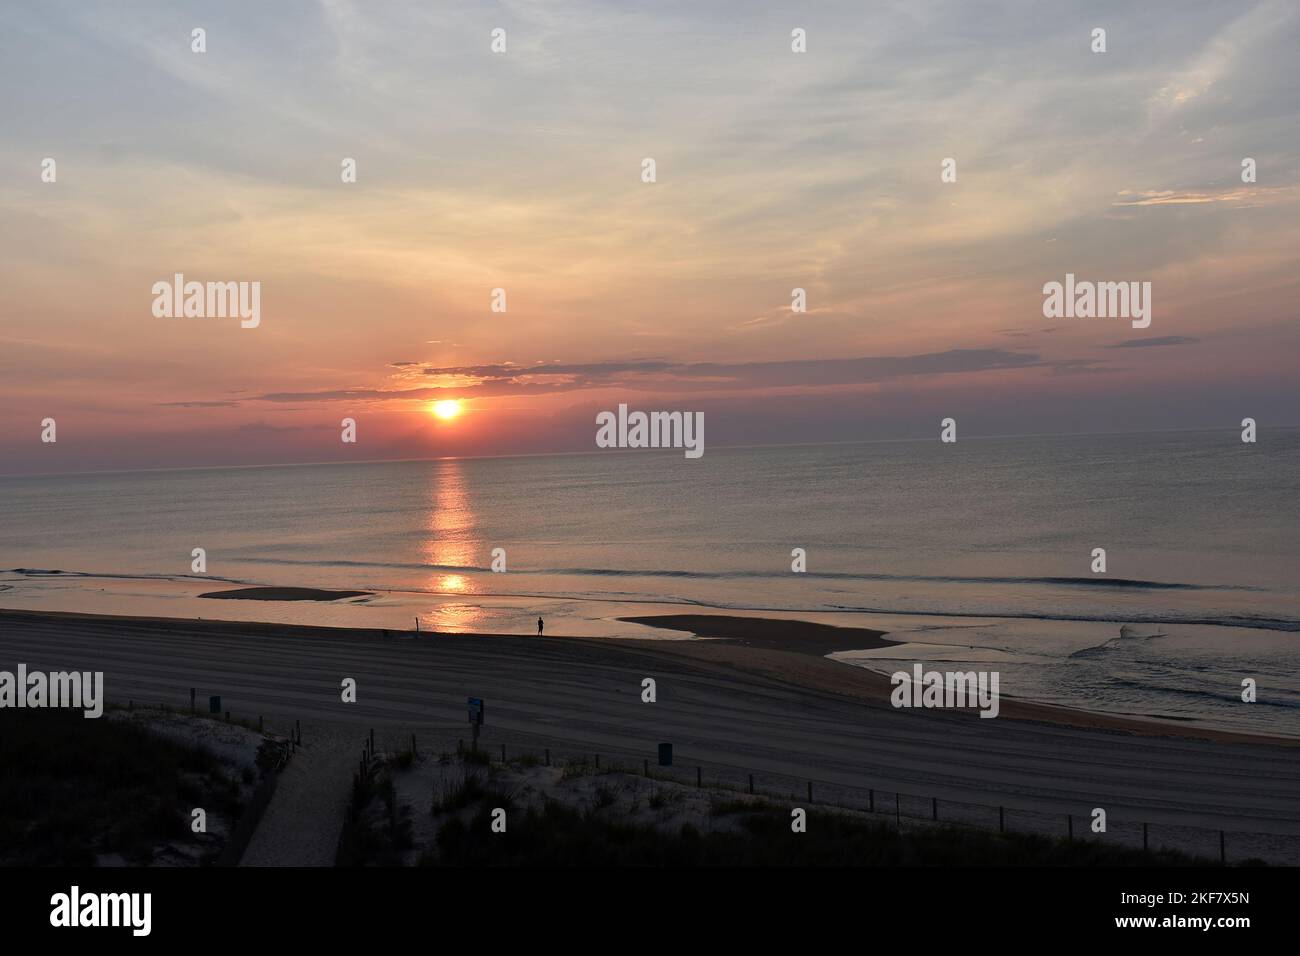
(447, 410)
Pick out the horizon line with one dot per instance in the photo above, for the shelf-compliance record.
(618, 451)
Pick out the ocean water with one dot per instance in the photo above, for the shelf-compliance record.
(978, 551)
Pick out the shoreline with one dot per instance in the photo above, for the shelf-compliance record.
(771, 633)
(737, 646)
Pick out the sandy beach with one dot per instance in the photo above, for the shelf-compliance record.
(726, 706)
(792, 651)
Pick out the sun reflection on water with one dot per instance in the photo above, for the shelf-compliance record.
(450, 540)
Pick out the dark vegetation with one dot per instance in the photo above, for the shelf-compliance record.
(72, 789)
(560, 835)
(377, 829)
(758, 833)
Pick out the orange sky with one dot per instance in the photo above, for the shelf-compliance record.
(522, 171)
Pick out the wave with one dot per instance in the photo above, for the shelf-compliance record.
(1250, 622)
(1127, 637)
(56, 572)
(1080, 582)
(1230, 698)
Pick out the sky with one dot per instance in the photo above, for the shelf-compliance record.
(522, 170)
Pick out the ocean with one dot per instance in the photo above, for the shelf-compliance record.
(974, 554)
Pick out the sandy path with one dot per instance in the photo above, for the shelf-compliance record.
(302, 822)
(584, 696)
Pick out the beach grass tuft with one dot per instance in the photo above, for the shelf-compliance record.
(74, 790)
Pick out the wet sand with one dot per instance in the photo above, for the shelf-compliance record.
(283, 594)
(794, 651)
(770, 633)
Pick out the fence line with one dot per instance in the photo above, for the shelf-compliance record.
(1220, 844)
(1212, 843)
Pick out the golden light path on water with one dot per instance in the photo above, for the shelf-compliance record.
(450, 542)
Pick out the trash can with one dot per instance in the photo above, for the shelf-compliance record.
(665, 755)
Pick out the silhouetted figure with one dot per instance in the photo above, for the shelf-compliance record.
(539, 627)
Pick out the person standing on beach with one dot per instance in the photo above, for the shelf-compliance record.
(539, 627)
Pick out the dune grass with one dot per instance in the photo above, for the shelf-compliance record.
(560, 835)
(73, 789)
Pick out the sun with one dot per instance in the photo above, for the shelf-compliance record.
(448, 409)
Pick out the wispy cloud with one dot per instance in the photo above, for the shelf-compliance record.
(220, 404)
(1240, 195)
(557, 377)
(1155, 341)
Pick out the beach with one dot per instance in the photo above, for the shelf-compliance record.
(729, 708)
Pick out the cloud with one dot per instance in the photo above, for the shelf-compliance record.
(1224, 55)
(511, 379)
(856, 371)
(263, 427)
(1155, 341)
(510, 370)
(1240, 195)
(197, 404)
